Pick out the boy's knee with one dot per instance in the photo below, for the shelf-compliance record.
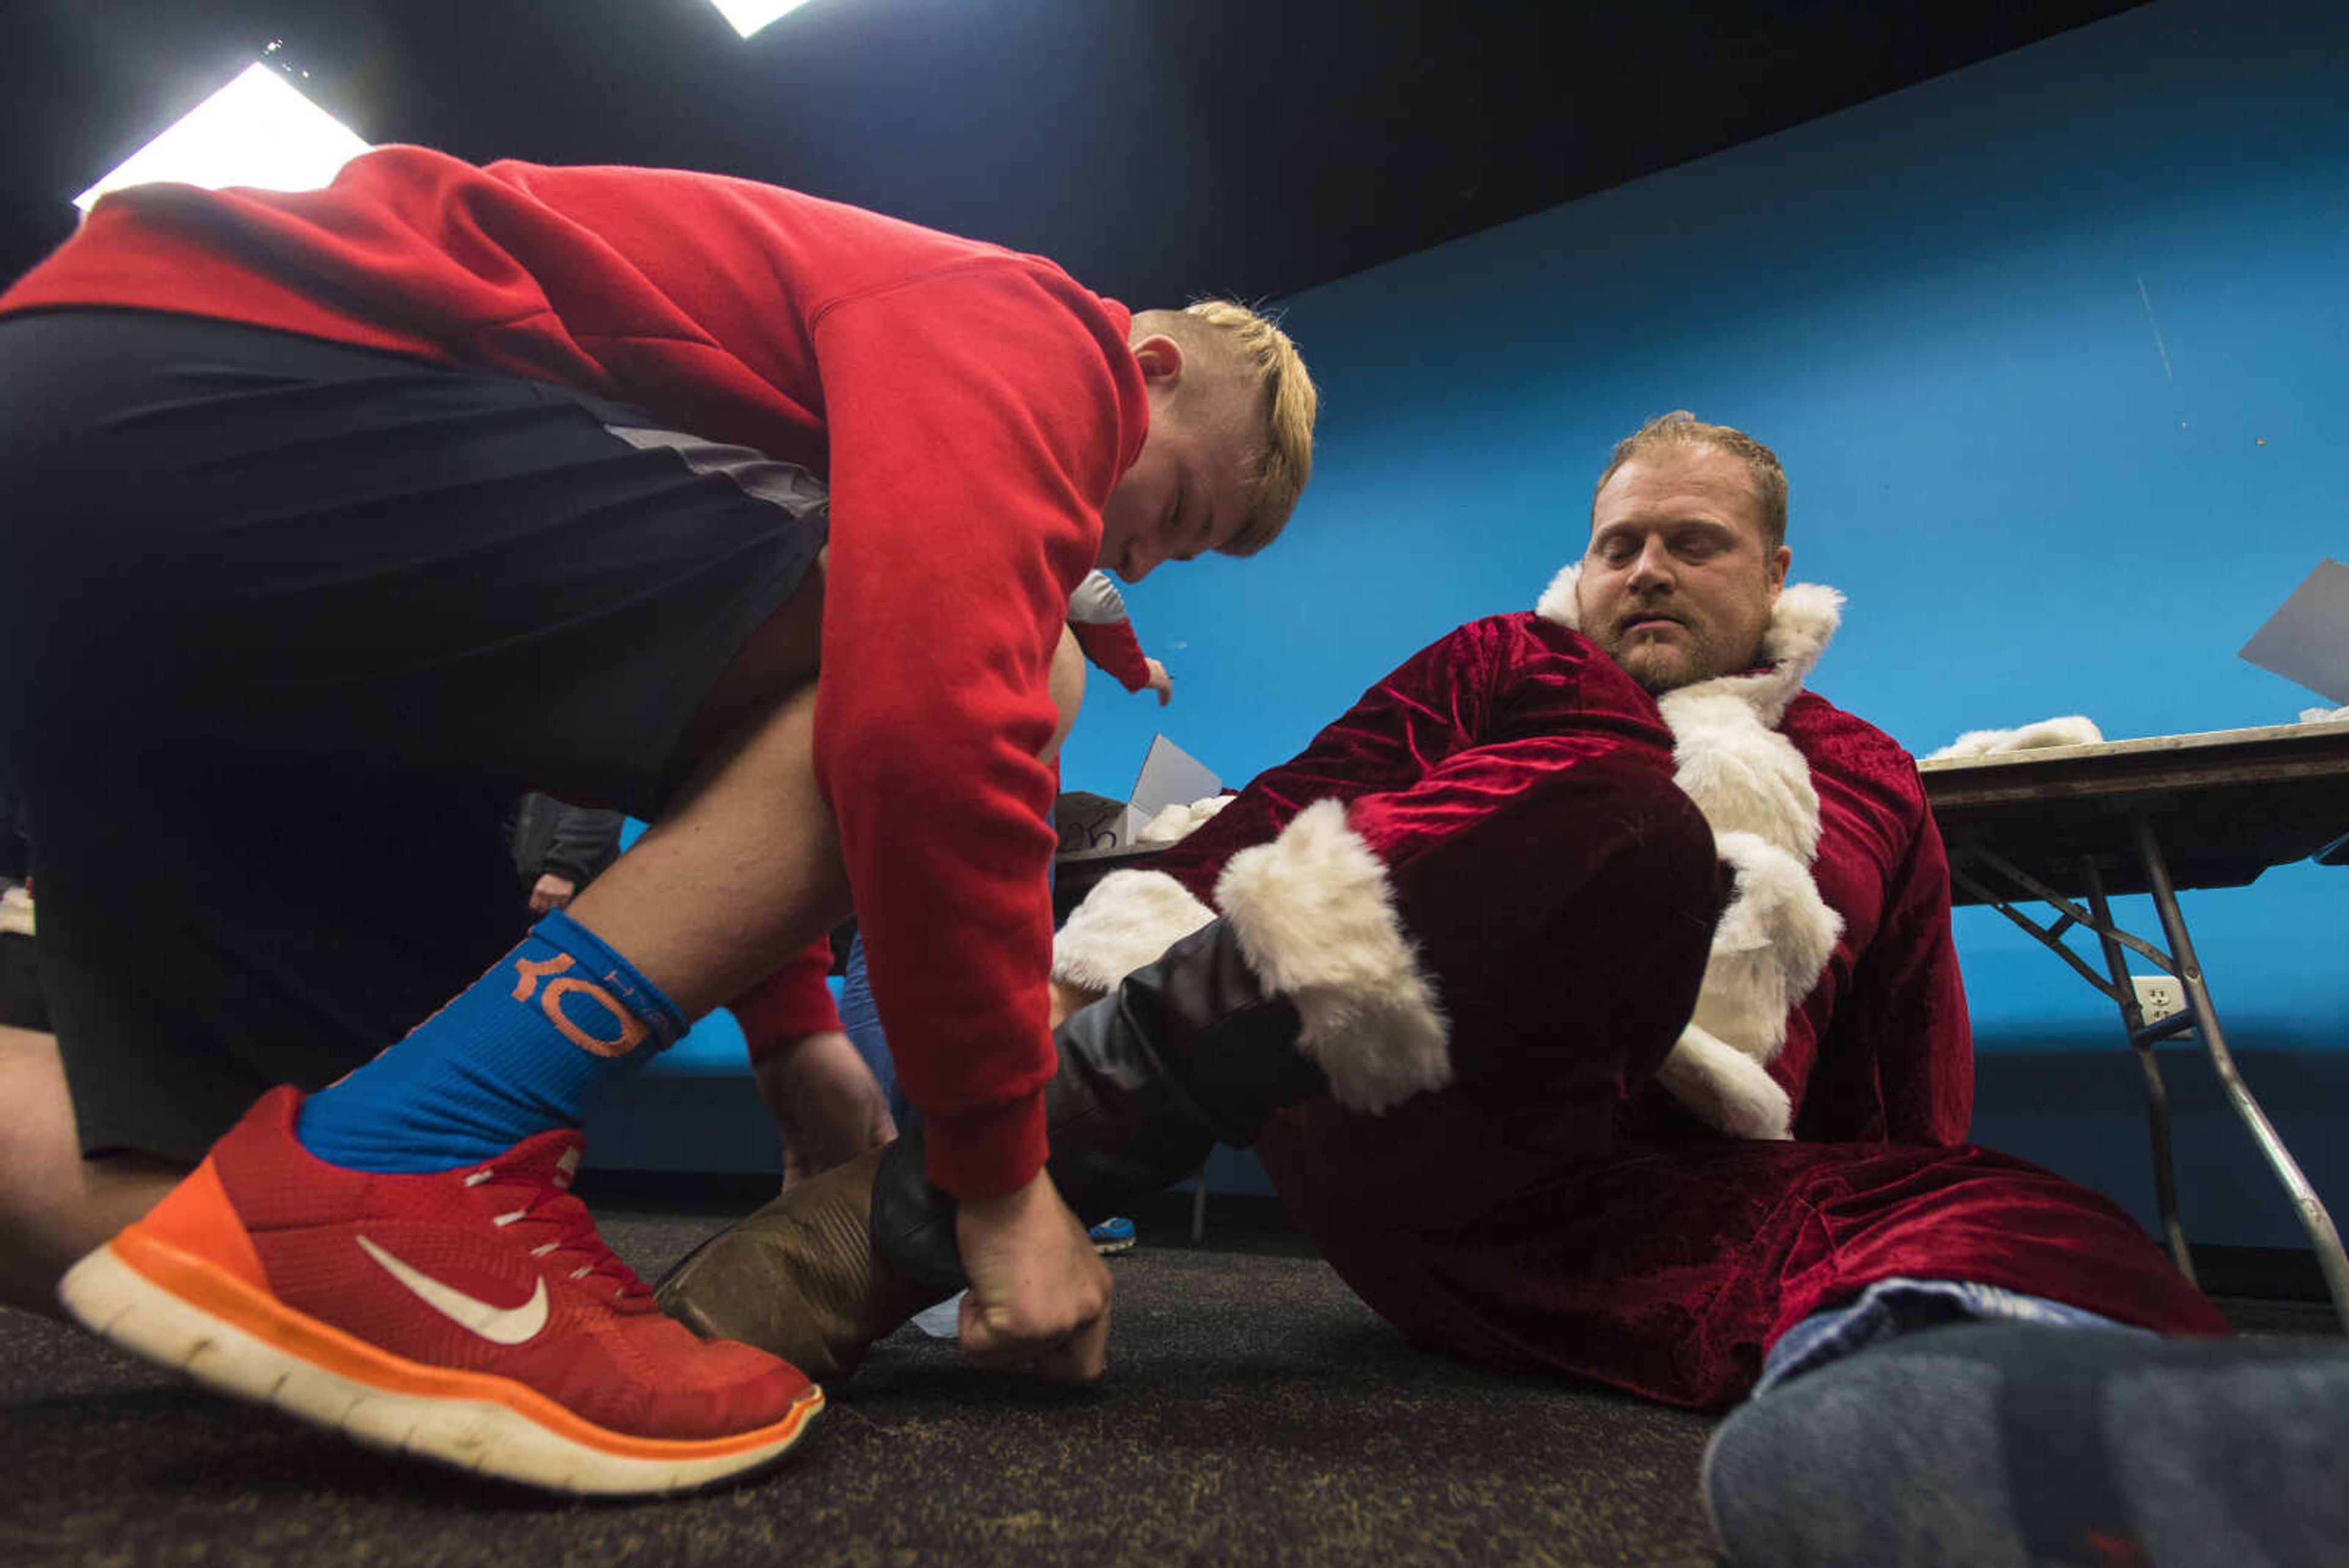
(1066, 684)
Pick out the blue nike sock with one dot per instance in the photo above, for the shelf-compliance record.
(525, 1049)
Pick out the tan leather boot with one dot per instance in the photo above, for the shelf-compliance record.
(799, 1278)
(1189, 1051)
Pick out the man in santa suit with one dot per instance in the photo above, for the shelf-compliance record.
(1588, 989)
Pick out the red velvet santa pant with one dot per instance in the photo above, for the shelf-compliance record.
(1566, 920)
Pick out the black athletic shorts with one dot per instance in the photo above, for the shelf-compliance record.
(284, 629)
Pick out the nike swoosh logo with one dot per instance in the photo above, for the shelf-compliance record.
(499, 1326)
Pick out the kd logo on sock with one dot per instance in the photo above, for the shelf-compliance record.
(632, 1029)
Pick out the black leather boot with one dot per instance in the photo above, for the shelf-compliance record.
(1189, 1052)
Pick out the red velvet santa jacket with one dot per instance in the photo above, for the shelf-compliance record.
(1873, 1040)
(1800, 1141)
(970, 409)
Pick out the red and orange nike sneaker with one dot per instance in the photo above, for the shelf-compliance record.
(472, 1317)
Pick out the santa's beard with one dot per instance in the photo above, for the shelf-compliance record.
(1660, 665)
(1711, 635)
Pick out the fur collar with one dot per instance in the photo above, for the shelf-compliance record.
(1801, 623)
(1755, 788)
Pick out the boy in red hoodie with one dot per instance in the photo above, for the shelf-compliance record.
(342, 517)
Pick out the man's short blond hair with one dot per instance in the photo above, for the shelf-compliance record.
(1680, 430)
(1252, 346)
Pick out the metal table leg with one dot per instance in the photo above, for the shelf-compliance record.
(2312, 1217)
(2156, 1097)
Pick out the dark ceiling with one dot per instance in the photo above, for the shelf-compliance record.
(1158, 149)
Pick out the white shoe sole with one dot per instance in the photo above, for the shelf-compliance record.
(118, 1302)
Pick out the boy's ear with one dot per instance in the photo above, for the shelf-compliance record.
(1160, 359)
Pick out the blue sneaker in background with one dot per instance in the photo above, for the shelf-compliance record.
(1113, 1236)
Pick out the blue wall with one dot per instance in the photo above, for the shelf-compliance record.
(2056, 353)
(2054, 350)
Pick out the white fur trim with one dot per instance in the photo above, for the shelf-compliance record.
(1756, 790)
(1127, 920)
(1804, 618)
(1777, 935)
(1175, 823)
(1725, 1088)
(2070, 729)
(1558, 602)
(1315, 919)
(1744, 777)
(1773, 941)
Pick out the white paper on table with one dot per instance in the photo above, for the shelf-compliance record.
(1170, 776)
(2307, 638)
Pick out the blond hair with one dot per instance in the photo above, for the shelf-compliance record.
(1279, 459)
(1680, 430)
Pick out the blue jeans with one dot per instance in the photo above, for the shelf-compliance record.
(1899, 1305)
(862, 1022)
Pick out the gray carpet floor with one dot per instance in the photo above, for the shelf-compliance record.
(1253, 1412)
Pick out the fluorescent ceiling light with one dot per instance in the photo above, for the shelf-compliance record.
(750, 15)
(257, 130)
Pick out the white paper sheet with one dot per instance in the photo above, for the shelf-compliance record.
(1170, 776)
(2307, 639)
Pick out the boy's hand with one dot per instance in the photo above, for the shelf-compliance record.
(1039, 1298)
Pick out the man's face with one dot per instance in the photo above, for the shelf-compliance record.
(1677, 584)
(1182, 497)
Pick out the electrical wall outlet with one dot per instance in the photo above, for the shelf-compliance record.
(2158, 995)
